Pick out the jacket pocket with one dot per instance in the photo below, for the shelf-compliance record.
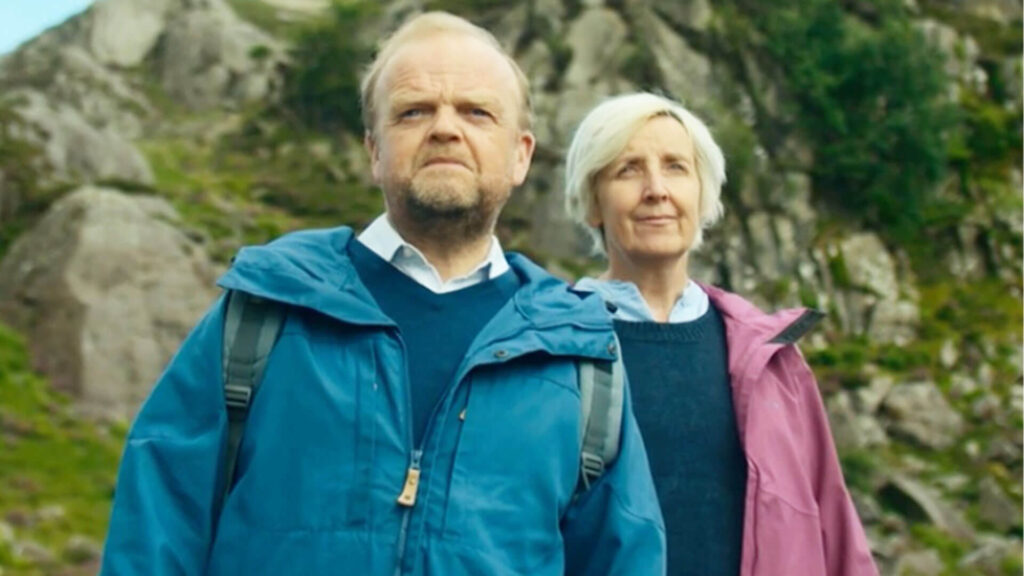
(788, 540)
(515, 465)
(310, 442)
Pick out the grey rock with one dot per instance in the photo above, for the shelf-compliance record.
(1003, 450)
(33, 552)
(920, 563)
(694, 15)
(81, 549)
(123, 32)
(74, 148)
(50, 513)
(996, 508)
(852, 430)
(962, 385)
(990, 555)
(105, 287)
(878, 303)
(205, 58)
(920, 503)
(919, 413)
(989, 407)
(949, 354)
(596, 38)
(686, 73)
(870, 397)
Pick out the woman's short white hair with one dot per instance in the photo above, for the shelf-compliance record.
(605, 132)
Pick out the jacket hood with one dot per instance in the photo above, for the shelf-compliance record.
(312, 269)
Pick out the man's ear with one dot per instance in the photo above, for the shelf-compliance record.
(370, 143)
(525, 146)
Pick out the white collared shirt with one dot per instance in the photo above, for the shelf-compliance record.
(631, 306)
(383, 240)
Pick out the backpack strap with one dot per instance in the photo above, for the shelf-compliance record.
(251, 327)
(602, 395)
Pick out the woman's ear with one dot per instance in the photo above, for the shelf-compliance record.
(594, 219)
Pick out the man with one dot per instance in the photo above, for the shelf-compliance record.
(419, 413)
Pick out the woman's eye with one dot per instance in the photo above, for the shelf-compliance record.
(627, 170)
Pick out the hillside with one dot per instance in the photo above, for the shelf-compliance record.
(874, 160)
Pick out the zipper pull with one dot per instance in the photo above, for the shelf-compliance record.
(412, 483)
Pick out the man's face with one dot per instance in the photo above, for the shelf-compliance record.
(447, 141)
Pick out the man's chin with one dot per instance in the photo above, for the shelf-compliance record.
(445, 200)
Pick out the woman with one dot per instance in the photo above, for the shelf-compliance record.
(737, 436)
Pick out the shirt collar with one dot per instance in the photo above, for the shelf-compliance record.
(383, 240)
(631, 306)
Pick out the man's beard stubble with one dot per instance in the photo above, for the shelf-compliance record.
(445, 215)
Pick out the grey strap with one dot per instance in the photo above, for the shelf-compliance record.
(251, 326)
(602, 392)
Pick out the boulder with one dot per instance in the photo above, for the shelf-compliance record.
(75, 149)
(105, 287)
(877, 302)
(209, 56)
(920, 414)
(123, 32)
(996, 508)
(852, 430)
(991, 555)
(920, 563)
(919, 503)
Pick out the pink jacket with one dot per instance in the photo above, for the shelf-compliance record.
(798, 519)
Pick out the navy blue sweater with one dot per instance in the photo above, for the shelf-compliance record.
(437, 329)
(678, 375)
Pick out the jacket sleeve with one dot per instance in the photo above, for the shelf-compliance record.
(847, 552)
(163, 513)
(615, 527)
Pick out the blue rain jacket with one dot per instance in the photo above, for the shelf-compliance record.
(329, 442)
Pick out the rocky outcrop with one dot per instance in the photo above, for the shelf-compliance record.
(203, 54)
(105, 287)
(208, 57)
(75, 149)
(920, 414)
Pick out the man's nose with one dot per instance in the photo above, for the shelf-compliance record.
(446, 125)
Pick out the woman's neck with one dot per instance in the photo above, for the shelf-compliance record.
(660, 285)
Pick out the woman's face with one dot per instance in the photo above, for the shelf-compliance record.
(648, 198)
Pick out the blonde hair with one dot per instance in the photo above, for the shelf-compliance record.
(605, 132)
(424, 26)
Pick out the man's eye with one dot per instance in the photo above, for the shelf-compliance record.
(480, 112)
(411, 113)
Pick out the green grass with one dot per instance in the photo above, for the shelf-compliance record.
(49, 458)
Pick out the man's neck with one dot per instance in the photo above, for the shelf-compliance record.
(660, 285)
(451, 255)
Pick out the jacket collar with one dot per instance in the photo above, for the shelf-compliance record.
(752, 339)
(312, 269)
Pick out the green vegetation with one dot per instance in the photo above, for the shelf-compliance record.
(248, 188)
(23, 192)
(321, 90)
(49, 458)
(870, 99)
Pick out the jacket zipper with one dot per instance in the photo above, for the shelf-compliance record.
(410, 489)
(407, 499)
